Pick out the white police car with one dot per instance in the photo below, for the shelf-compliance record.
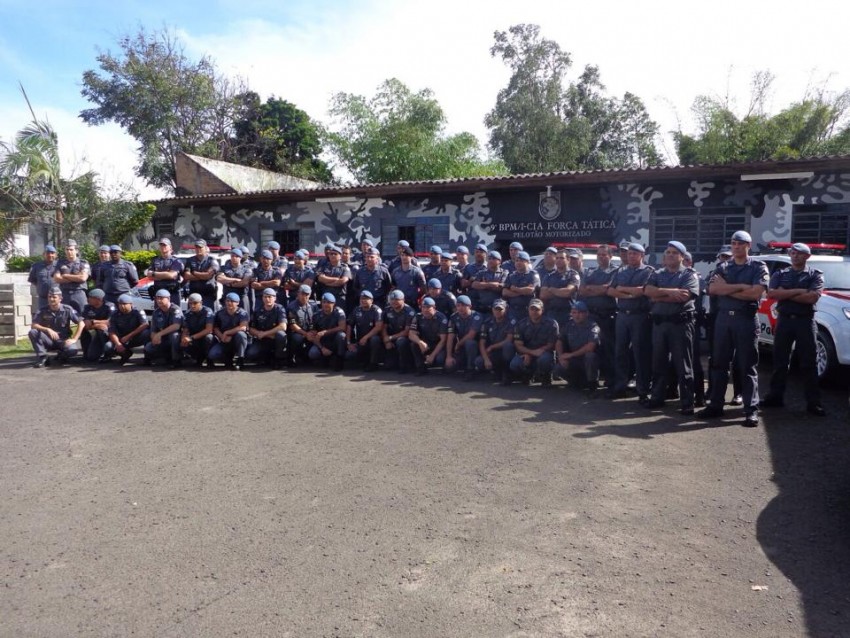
(832, 312)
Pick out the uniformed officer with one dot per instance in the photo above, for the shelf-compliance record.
(462, 340)
(278, 261)
(230, 328)
(298, 274)
(496, 342)
(327, 338)
(41, 274)
(489, 282)
(268, 331)
(264, 276)
(633, 327)
(396, 333)
(51, 330)
(428, 335)
(128, 329)
(299, 314)
(520, 286)
(796, 290)
(95, 315)
(333, 276)
(547, 265)
(395, 262)
(577, 359)
(448, 275)
(119, 276)
(603, 309)
(72, 274)
(575, 260)
(559, 289)
(672, 292)
(468, 273)
(166, 270)
(235, 278)
(166, 322)
(408, 277)
(360, 258)
(95, 275)
(699, 325)
(446, 301)
(200, 272)
(432, 266)
(723, 255)
(534, 340)
(462, 261)
(509, 265)
(363, 333)
(351, 298)
(196, 334)
(373, 276)
(739, 284)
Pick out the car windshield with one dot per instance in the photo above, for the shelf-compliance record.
(836, 274)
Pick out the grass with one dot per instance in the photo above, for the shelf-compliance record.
(20, 349)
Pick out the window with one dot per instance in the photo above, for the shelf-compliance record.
(827, 224)
(289, 241)
(164, 229)
(702, 230)
(426, 232)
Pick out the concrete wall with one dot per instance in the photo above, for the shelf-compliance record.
(16, 303)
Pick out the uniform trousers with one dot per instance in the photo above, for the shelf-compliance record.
(673, 348)
(802, 331)
(735, 342)
(42, 344)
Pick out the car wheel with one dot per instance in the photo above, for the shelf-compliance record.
(827, 360)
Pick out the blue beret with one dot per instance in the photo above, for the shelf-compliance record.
(523, 256)
(466, 301)
(495, 254)
(269, 292)
(427, 301)
(368, 242)
(637, 247)
(104, 249)
(367, 293)
(580, 306)
(195, 297)
(97, 293)
(273, 245)
(516, 245)
(742, 235)
(162, 292)
(125, 298)
(404, 243)
(267, 254)
(396, 294)
(436, 249)
(236, 252)
(802, 248)
(435, 283)
(115, 248)
(50, 248)
(481, 247)
(232, 296)
(551, 249)
(305, 289)
(328, 297)
(463, 250)
(678, 246)
(333, 248)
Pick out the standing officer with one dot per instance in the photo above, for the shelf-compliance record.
(395, 262)
(296, 275)
(521, 286)
(41, 274)
(72, 275)
(496, 344)
(166, 271)
(230, 328)
(327, 338)
(166, 323)
(576, 350)
(51, 330)
(196, 335)
(633, 327)
(333, 276)
(201, 272)
(603, 308)
(509, 265)
(95, 275)
(547, 265)
(699, 324)
(300, 315)
(374, 278)
(559, 288)
(797, 290)
(446, 301)
(119, 276)
(462, 340)
(264, 276)
(447, 274)
(408, 277)
(673, 291)
(278, 261)
(428, 335)
(467, 275)
(489, 282)
(432, 266)
(739, 285)
(128, 329)
(723, 255)
(462, 258)
(365, 246)
(534, 340)
(235, 278)
(95, 315)
(397, 319)
(363, 333)
(268, 331)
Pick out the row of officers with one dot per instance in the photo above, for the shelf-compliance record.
(617, 324)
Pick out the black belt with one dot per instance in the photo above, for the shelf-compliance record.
(633, 312)
(749, 314)
(684, 317)
(788, 315)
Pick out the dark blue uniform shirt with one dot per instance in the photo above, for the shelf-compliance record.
(224, 321)
(600, 304)
(167, 264)
(203, 264)
(557, 279)
(516, 279)
(487, 297)
(267, 319)
(398, 320)
(684, 278)
(461, 325)
(235, 272)
(59, 320)
(536, 335)
(493, 331)
(162, 319)
(118, 278)
(41, 276)
(574, 336)
(123, 323)
(633, 277)
(90, 313)
(196, 320)
(752, 272)
(302, 316)
(76, 267)
(362, 321)
(430, 329)
(808, 278)
(322, 321)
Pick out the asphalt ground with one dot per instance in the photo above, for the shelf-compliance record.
(258, 503)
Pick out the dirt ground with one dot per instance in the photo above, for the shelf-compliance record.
(217, 503)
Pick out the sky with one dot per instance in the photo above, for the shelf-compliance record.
(666, 52)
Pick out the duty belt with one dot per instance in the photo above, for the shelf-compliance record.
(796, 315)
(633, 312)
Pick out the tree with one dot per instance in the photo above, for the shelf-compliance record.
(543, 123)
(819, 124)
(399, 135)
(276, 135)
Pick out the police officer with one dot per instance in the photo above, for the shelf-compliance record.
(534, 340)
(333, 276)
(496, 342)
(577, 360)
(467, 275)
(235, 278)
(196, 334)
(520, 286)
(230, 328)
(738, 284)
(672, 292)
(298, 274)
(699, 325)
(603, 309)
(41, 274)
(72, 274)
(119, 276)
(95, 275)
(408, 277)
(509, 265)
(351, 298)
(360, 258)
(278, 261)
(268, 331)
(462, 340)
(95, 315)
(363, 333)
(633, 327)
(796, 290)
(373, 276)
(432, 266)
(166, 271)
(51, 330)
(462, 261)
(263, 276)
(428, 335)
(327, 338)
(446, 301)
(166, 322)
(559, 288)
(489, 282)
(128, 329)
(395, 262)
(547, 265)
(201, 272)
(299, 314)
(398, 316)
(448, 275)
(723, 255)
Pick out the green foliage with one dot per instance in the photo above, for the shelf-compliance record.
(399, 135)
(123, 218)
(541, 123)
(141, 258)
(19, 263)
